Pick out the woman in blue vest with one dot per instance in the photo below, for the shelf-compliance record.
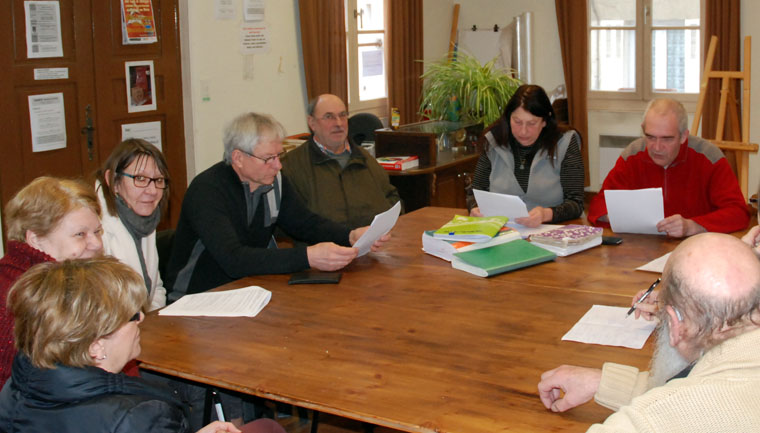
(528, 155)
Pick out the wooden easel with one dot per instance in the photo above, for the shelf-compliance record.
(453, 35)
(740, 148)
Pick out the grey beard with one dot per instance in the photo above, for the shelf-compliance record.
(666, 361)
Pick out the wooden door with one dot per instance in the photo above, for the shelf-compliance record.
(93, 57)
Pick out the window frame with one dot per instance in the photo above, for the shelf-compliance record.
(599, 100)
(379, 106)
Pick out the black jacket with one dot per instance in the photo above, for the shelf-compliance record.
(67, 399)
(214, 212)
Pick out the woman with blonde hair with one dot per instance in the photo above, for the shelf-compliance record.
(48, 220)
(77, 325)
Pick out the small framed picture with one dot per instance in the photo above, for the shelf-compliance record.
(141, 86)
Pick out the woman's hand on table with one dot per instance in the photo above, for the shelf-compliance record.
(536, 217)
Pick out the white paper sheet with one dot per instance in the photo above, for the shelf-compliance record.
(381, 224)
(48, 121)
(656, 265)
(245, 302)
(609, 326)
(495, 204)
(51, 73)
(148, 131)
(635, 211)
(43, 29)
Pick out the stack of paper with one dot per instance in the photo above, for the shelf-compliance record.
(245, 302)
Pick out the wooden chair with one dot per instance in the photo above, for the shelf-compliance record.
(739, 145)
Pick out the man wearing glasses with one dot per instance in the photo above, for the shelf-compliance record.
(700, 193)
(230, 211)
(705, 371)
(334, 177)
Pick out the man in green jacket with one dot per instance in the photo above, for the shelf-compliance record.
(334, 177)
(705, 371)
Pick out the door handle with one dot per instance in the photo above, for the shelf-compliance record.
(88, 128)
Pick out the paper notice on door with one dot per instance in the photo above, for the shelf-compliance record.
(48, 122)
(43, 29)
(148, 131)
(138, 25)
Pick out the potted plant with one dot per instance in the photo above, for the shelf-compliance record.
(465, 90)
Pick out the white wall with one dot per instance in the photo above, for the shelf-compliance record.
(211, 57)
(547, 58)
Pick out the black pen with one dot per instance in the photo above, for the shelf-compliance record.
(644, 296)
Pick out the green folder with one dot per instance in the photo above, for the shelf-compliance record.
(498, 259)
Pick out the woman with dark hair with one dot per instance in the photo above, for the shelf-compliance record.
(132, 189)
(77, 326)
(528, 155)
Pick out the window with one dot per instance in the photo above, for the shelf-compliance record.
(365, 40)
(642, 49)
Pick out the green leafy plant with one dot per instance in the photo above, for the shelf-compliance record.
(465, 90)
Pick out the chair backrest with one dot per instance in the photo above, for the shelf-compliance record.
(362, 126)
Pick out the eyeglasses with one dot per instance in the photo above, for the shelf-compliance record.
(329, 117)
(141, 181)
(135, 318)
(267, 159)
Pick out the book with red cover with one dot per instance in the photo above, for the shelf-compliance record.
(398, 163)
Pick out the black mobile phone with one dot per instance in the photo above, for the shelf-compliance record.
(315, 277)
(611, 240)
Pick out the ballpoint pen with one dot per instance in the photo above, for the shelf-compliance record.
(644, 296)
(217, 406)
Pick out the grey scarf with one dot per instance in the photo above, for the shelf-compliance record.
(139, 227)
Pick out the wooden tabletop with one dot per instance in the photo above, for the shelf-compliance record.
(407, 342)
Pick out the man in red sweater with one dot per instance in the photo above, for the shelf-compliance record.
(700, 192)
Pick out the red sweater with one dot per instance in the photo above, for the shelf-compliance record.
(18, 258)
(698, 185)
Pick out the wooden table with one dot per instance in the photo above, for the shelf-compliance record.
(407, 342)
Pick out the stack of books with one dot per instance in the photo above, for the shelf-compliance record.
(482, 246)
(471, 229)
(398, 163)
(502, 258)
(445, 249)
(568, 239)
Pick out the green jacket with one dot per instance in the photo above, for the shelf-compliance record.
(352, 195)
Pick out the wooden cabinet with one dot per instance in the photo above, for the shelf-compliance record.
(445, 170)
